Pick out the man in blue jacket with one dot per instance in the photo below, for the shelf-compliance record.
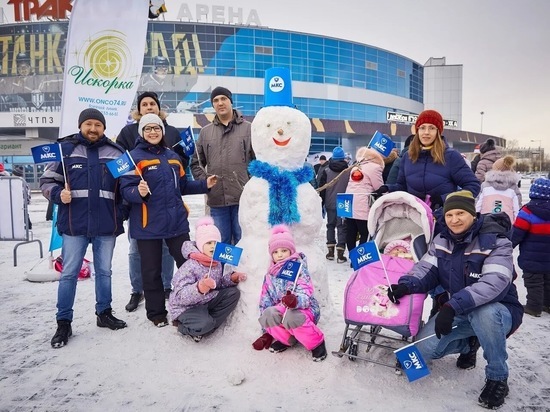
(90, 211)
(471, 259)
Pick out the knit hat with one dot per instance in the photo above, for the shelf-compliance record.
(143, 95)
(94, 114)
(463, 199)
(221, 91)
(281, 237)
(147, 119)
(504, 164)
(395, 244)
(540, 189)
(432, 117)
(18, 171)
(206, 231)
(488, 145)
(338, 154)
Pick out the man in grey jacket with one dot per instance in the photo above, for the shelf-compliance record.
(224, 149)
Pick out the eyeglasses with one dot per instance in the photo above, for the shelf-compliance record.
(149, 129)
(430, 129)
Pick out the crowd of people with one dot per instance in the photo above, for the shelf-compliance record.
(468, 268)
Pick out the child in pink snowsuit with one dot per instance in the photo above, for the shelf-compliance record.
(289, 312)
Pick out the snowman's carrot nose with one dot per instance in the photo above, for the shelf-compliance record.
(280, 131)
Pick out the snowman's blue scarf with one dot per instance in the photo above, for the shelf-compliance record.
(283, 207)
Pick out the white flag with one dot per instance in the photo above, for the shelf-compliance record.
(103, 61)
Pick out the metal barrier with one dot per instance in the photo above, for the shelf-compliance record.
(14, 214)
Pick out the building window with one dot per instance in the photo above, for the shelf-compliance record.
(264, 50)
(371, 65)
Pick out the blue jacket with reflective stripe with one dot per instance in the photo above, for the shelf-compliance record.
(96, 204)
(474, 271)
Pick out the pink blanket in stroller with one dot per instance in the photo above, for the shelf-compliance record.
(366, 301)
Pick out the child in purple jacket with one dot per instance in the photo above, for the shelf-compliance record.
(203, 296)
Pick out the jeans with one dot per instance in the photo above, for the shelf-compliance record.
(490, 323)
(226, 219)
(73, 251)
(134, 266)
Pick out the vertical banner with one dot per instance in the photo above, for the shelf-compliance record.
(103, 62)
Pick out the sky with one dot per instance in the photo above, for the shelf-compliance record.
(502, 45)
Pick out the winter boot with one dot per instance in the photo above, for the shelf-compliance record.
(493, 394)
(277, 347)
(62, 334)
(468, 360)
(330, 254)
(341, 258)
(319, 353)
(135, 298)
(106, 319)
(532, 312)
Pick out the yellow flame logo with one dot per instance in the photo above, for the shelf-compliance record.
(107, 55)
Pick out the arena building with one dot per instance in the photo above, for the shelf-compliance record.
(348, 89)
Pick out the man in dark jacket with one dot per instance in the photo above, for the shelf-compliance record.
(472, 260)
(224, 149)
(148, 102)
(334, 222)
(90, 211)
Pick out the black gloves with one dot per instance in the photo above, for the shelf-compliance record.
(396, 292)
(381, 190)
(436, 202)
(444, 321)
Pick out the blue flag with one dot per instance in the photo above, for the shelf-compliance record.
(188, 141)
(381, 143)
(290, 270)
(227, 253)
(46, 153)
(121, 165)
(344, 204)
(364, 254)
(412, 362)
(56, 241)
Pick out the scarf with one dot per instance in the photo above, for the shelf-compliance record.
(283, 207)
(203, 259)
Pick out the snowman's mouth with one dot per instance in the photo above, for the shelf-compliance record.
(282, 143)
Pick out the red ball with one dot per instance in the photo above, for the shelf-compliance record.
(356, 175)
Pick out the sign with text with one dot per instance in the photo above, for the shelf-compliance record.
(121, 165)
(381, 143)
(364, 254)
(344, 205)
(227, 253)
(412, 362)
(290, 270)
(47, 153)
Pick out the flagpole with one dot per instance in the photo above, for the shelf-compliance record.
(211, 261)
(420, 340)
(137, 170)
(62, 162)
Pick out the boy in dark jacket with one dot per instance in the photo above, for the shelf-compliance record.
(532, 234)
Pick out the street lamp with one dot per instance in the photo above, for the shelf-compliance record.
(481, 113)
(540, 153)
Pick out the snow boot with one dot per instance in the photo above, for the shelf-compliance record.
(341, 258)
(277, 347)
(493, 394)
(135, 298)
(62, 334)
(319, 353)
(330, 254)
(468, 360)
(106, 319)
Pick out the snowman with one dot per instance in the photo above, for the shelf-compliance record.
(279, 192)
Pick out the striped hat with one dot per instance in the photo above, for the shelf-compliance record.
(463, 199)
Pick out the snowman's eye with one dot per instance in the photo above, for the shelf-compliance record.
(269, 125)
(287, 122)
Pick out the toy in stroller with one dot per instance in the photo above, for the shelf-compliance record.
(368, 312)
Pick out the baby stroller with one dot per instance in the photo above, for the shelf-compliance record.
(367, 310)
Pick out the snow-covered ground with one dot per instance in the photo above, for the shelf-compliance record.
(143, 368)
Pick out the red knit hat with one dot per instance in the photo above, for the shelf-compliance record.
(281, 237)
(432, 117)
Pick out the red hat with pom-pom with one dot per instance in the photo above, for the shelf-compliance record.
(281, 237)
